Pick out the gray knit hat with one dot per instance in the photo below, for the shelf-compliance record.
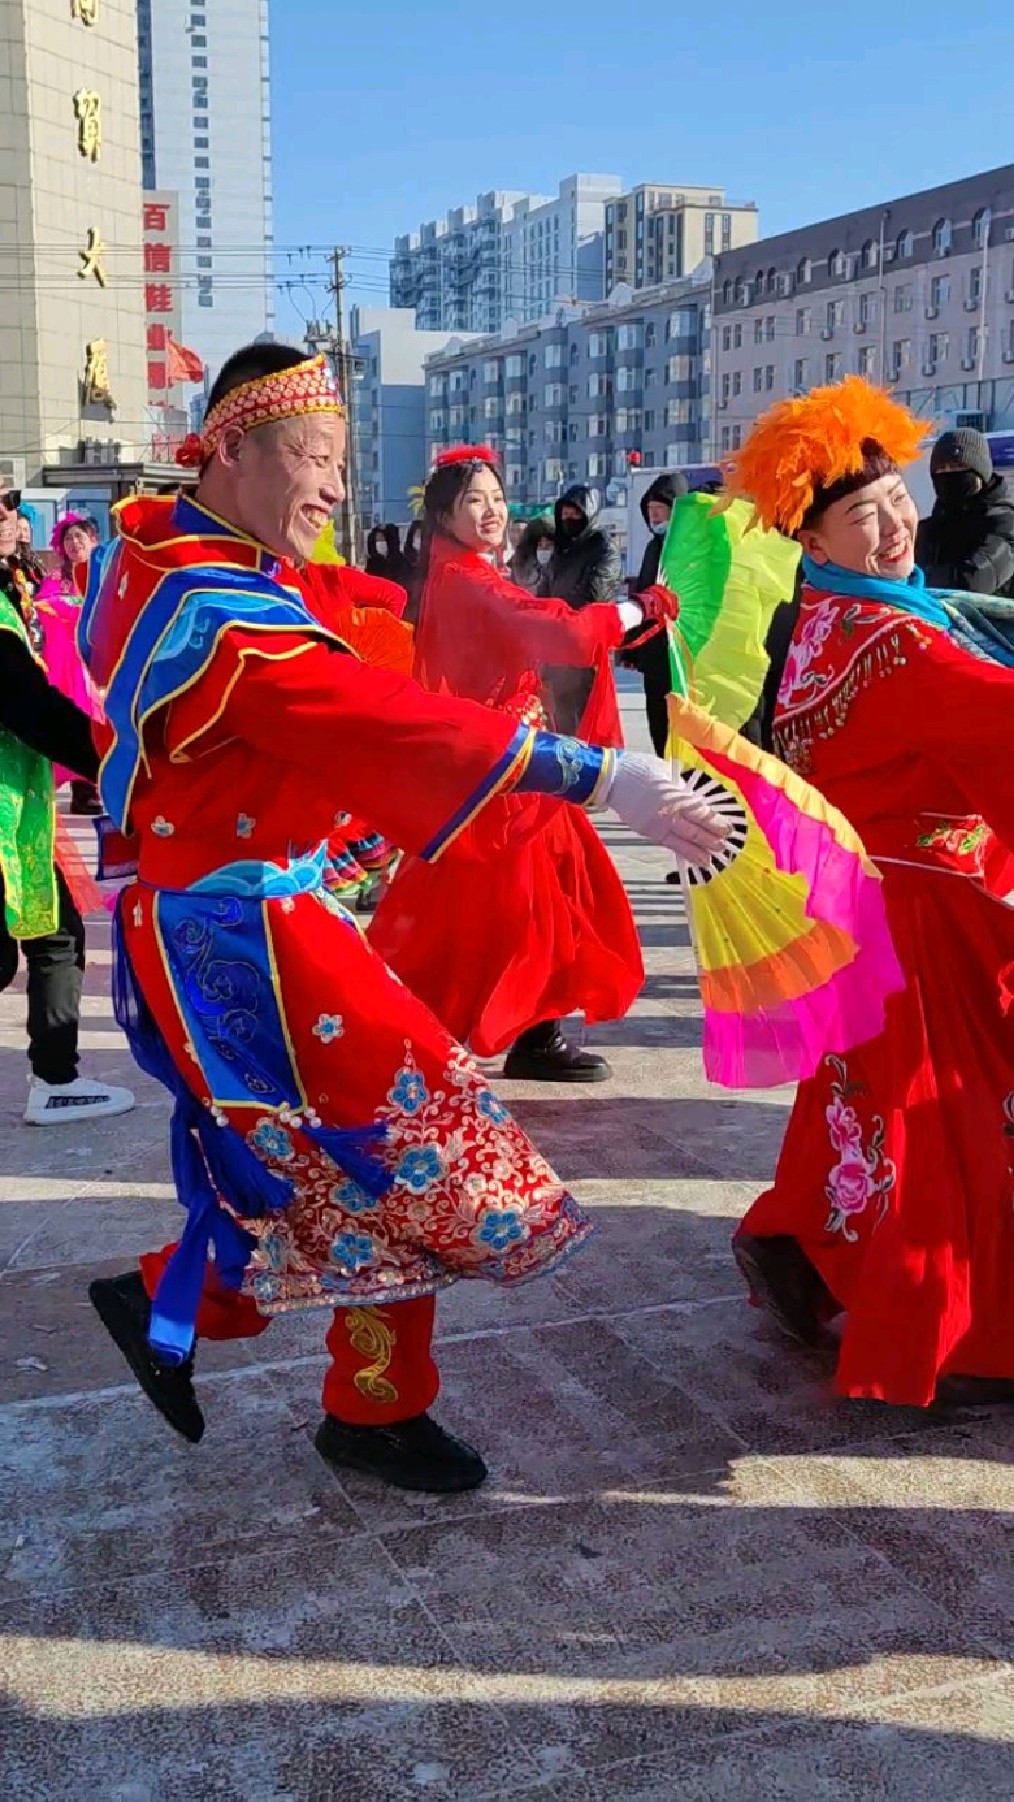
(966, 448)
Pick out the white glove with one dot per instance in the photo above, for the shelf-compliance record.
(631, 615)
(665, 809)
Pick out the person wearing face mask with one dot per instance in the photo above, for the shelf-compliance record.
(384, 556)
(967, 543)
(651, 659)
(583, 570)
(891, 1205)
(533, 555)
(524, 920)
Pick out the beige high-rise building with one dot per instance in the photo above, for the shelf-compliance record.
(72, 300)
(661, 232)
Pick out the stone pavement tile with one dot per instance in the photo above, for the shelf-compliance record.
(774, 1396)
(101, 1488)
(296, 1670)
(644, 1137)
(629, 1625)
(556, 1411)
(22, 1221)
(94, 1229)
(657, 1242)
(52, 1342)
(940, 1512)
(956, 1744)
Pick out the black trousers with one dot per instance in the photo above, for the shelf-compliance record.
(55, 979)
(655, 704)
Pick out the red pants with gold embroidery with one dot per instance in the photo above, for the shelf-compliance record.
(381, 1368)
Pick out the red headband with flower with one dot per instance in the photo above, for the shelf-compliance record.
(305, 388)
(467, 453)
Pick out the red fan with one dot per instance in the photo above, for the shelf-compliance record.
(375, 636)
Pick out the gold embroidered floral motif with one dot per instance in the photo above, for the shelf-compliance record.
(372, 1338)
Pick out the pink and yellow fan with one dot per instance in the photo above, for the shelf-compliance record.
(794, 955)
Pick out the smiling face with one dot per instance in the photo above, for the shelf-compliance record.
(478, 517)
(77, 544)
(280, 483)
(8, 525)
(871, 531)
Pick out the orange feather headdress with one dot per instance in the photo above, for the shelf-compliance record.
(800, 447)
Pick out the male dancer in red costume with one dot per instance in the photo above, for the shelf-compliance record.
(331, 1143)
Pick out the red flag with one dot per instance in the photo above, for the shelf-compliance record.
(184, 365)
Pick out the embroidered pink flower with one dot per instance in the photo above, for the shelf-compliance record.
(849, 1184)
(812, 634)
(844, 1125)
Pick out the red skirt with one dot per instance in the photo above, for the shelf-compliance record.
(897, 1172)
(523, 919)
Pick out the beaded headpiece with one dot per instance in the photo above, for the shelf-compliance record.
(305, 388)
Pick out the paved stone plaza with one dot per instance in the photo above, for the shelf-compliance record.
(692, 1574)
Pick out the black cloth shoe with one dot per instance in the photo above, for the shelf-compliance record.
(410, 1454)
(122, 1305)
(544, 1055)
(785, 1284)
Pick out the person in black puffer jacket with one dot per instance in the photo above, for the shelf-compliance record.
(584, 568)
(651, 659)
(967, 543)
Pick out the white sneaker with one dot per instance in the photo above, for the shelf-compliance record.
(60, 1103)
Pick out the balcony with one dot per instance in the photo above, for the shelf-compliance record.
(860, 327)
(827, 333)
(929, 369)
(932, 312)
(969, 363)
(972, 305)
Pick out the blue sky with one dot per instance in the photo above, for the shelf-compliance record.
(391, 114)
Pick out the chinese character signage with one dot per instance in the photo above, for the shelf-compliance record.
(88, 113)
(85, 10)
(162, 299)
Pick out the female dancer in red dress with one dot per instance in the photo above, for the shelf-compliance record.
(525, 920)
(893, 1202)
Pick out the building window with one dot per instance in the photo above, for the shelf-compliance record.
(801, 374)
(769, 329)
(727, 337)
(972, 347)
(737, 337)
(939, 291)
(868, 362)
(758, 331)
(904, 296)
(943, 237)
(901, 356)
(769, 378)
(202, 162)
(906, 246)
(871, 253)
(758, 380)
(804, 321)
(975, 284)
(737, 383)
(867, 310)
(836, 265)
(198, 62)
(205, 263)
(833, 367)
(981, 227)
(515, 366)
(554, 356)
(939, 349)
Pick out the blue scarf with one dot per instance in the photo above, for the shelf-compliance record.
(981, 624)
(912, 596)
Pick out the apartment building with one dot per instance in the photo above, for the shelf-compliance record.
(571, 397)
(390, 409)
(917, 293)
(660, 232)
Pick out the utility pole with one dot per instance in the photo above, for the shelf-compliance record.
(332, 341)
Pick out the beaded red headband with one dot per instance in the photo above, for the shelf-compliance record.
(306, 388)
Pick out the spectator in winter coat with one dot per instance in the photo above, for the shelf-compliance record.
(968, 540)
(652, 657)
(533, 555)
(383, 554)
(584, 568)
